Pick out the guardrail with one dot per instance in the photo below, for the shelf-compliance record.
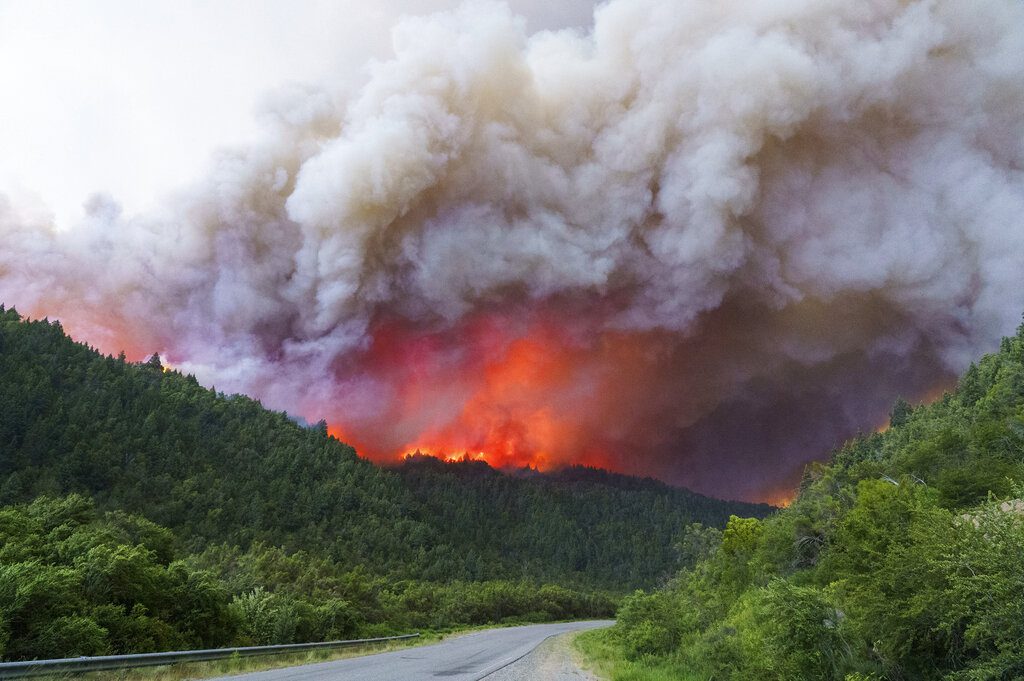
(79, 665)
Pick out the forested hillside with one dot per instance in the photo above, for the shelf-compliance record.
(277, 520)
(902, 559)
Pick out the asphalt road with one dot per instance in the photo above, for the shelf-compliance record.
(461, 658)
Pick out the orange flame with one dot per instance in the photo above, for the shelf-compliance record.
(780, 499)
(510, 395)
(502, 423)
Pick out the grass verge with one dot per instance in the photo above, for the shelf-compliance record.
(242, 665)
(603, 656)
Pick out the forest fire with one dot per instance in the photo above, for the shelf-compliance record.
(511, 393)
(538, 386)
(669, 245)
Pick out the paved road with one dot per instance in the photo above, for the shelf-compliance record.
(461, 658)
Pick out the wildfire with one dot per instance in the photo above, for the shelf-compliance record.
(445, 455)
(501, 422)
(780, 499)
(495, 389)
(515, 389)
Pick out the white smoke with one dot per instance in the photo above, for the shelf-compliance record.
(791, 189)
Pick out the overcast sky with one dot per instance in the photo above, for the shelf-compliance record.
(130, 98)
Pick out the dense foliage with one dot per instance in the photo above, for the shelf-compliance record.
(903, 559)
(77, 581)
(281, 530)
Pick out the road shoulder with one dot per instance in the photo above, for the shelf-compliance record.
(553, 660)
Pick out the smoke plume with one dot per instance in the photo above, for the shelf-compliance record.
(703, 240)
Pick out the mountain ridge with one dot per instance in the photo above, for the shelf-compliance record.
(214, 467)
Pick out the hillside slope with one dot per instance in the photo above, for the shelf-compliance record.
(902, 559)
(222, 469)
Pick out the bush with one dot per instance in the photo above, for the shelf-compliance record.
(646, 624)
(801, 631)
(73, 582)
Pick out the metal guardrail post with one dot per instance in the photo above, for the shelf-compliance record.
(13, 670)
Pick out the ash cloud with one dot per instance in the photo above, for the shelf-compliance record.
(756, 223)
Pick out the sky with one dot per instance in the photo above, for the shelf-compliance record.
(132, 99)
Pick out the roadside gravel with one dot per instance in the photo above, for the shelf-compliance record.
(552, 660)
